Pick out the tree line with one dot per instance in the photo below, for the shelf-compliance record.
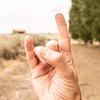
(84, 22)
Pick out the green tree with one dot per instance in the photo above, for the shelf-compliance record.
(83, 19)
(74, 20)
(96, 23)
(86, 20)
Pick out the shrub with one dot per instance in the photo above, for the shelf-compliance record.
(12, 45)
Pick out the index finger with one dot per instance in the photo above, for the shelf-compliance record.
(64, 37)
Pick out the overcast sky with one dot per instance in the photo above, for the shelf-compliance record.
(35, 16)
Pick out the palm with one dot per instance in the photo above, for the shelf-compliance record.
(47, 81)
(43, 80)
(55, 78)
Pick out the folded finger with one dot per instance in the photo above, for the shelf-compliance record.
(52, 58)
(53, 45)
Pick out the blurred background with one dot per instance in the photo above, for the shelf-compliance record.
(36, 18)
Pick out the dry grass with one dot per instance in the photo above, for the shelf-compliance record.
(50, 36)
(11, 46)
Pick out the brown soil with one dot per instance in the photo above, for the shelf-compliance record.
(15, 79)
(15, 82)
(87, 62)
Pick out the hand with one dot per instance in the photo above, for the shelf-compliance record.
(53, 73)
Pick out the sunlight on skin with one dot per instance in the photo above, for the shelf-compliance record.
(53, 73)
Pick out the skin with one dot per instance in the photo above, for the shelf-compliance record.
(53, 72)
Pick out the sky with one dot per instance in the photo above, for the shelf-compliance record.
(35, 16)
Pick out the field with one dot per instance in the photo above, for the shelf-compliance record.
(15, 76)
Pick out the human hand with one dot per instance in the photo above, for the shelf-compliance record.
(53, 72)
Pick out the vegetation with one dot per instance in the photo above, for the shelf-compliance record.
(12, 45)
(74, 22)
(84, 20)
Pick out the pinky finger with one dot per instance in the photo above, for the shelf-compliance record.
(32, 60)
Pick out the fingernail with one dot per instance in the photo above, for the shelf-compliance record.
(26, 36)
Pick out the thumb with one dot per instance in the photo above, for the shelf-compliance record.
(53, 58)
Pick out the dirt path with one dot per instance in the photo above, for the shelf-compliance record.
(15, 81)
(87, 62)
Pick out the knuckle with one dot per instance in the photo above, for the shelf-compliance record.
(38, 48)
(51, 42)
(59, 58)
(37, 51)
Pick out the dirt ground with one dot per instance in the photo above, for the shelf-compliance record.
(87, 62)
(15, 82)
(15, 78)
